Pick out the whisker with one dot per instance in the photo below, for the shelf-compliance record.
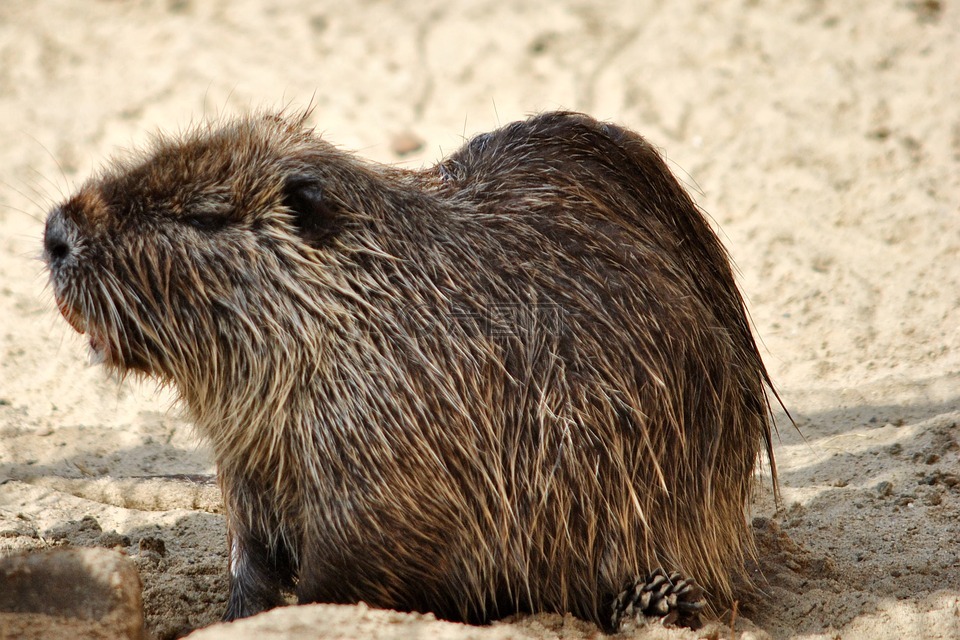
(56, 161)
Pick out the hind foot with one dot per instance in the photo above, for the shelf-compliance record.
(675, 599)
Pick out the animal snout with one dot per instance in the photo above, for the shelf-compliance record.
(58, 245)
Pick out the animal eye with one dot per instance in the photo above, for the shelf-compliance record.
(314, 214)
(205, 222)
(305, 200)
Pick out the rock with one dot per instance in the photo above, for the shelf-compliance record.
(339, 622)
(405, 143)
(70, 594)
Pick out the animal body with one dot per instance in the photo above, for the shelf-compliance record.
(520, 380)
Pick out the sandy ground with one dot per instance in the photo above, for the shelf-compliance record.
(823, 139)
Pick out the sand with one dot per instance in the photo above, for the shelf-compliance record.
(822, 138)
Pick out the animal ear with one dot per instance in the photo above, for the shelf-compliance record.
(315, 214)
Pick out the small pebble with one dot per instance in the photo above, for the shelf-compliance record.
(405, 143)
(153, 544)
(884, 488)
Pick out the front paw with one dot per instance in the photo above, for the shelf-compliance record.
(244, 604)
(255, 579)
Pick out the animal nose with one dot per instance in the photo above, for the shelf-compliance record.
(57, 244)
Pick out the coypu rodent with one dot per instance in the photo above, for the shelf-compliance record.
(520, 380)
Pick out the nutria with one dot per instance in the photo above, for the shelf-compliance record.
(520, 380)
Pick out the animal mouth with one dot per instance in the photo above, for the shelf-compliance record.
(98, 346)
(71, 315)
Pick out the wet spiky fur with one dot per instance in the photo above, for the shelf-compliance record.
(513, 381)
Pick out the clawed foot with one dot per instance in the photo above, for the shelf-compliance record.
(677, 600)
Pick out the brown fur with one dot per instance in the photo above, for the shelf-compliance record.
(514, 381)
